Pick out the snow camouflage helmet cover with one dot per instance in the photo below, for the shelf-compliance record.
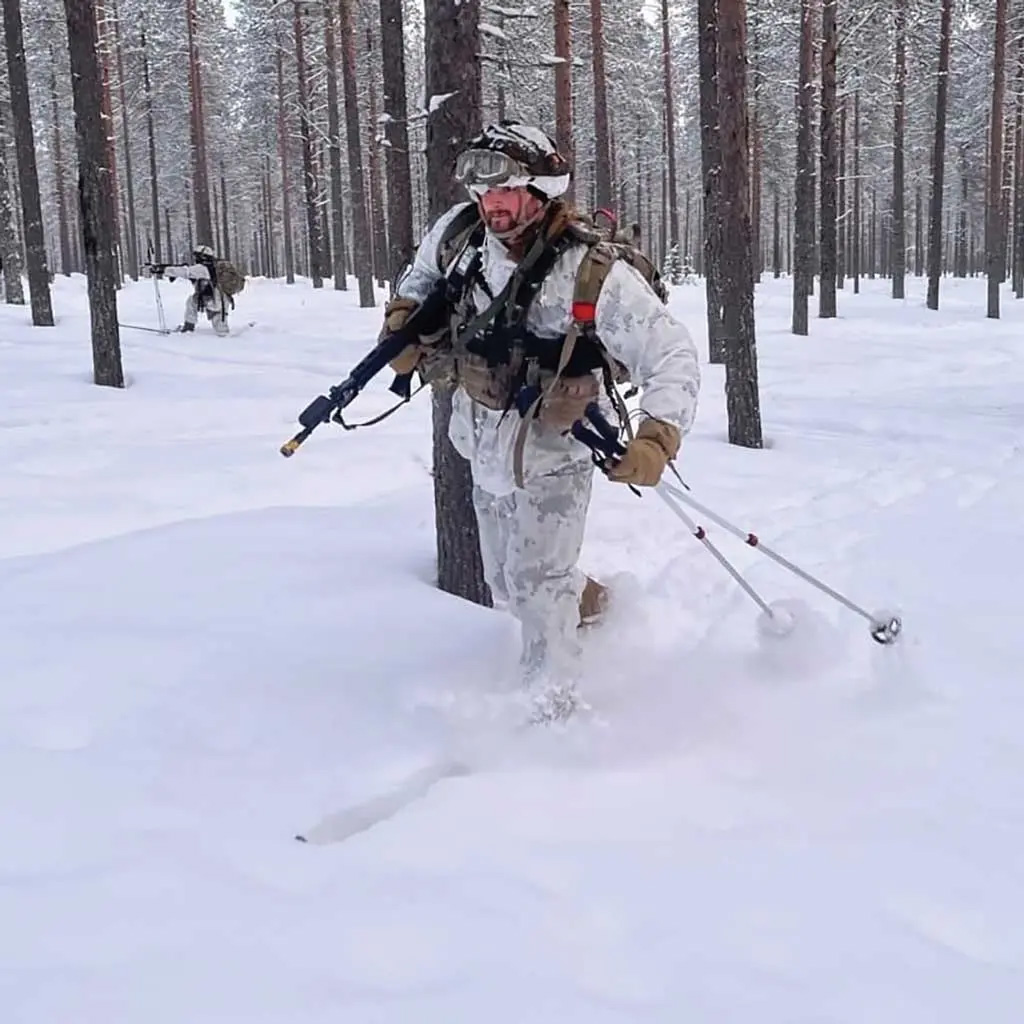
(510, 154)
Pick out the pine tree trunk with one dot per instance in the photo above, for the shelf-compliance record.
(28, 176)
(1018, 179)
(829, 159)
(918, 233)
(396, 135)
(361, 255)
(856, 248)
(962, 265)
(309, 179)
(898, 237)
(378, 232)
(756, 140)
(993, 219)
(711, 170)
(776, 248)
(803, 243)
(452, 43)
(95, 193)
(225, 245)
(130, 225)
(334, 141)
(939, 157)
(670, 131)
(563, 85)
(282, 145)
(107, 113)
(154, 188)
(200, 179)
(844, 226)
(741, 391)
(59, 184)
(602, 157)
(10, 248)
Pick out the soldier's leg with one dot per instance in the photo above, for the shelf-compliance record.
(493, 517)
(541, 572)
(191, 313)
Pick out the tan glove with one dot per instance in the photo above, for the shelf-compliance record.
(647, 454)
(396, 313)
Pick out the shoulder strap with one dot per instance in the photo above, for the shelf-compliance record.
(590, 277)
(456, 233)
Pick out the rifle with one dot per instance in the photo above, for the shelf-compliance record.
(427, 318)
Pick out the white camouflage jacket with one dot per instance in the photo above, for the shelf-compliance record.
(633, 324)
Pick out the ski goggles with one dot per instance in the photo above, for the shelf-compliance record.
(481, 169)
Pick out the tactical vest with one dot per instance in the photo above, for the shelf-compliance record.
(498, 362)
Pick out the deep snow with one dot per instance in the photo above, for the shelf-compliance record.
(206, 648)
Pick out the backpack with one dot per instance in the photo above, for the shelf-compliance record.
(230, 280)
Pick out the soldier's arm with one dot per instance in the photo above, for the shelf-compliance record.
(423, 273)
(193, 271)
(656, 348)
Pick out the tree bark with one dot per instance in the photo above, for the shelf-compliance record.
(130, 225)
(334, 149)
(378, 232)
(670, 130)
(309, 177)
(898, 238)
(10, 247)
(28, 176)
(829, 160)
(602, 156)
(96, 196)
(741, 391)
(711, 170)
(154, 189)
(939, 157)
(993, 219)
(452, 69)
(200, 178)
(396, 137)
(803, 243)
(856, 247)
(563, 86)
(361, 255)
(282, 144)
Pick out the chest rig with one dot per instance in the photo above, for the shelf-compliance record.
(493, 355)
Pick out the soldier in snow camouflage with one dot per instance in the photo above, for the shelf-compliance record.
(528, 355)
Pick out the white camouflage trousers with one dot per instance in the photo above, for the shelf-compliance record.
(530, 544)
(214, 310)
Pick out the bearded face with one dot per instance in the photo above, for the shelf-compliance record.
(507, 212)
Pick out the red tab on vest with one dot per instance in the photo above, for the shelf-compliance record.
(584, 312)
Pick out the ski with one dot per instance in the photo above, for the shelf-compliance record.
(350, 821)
(138, 327)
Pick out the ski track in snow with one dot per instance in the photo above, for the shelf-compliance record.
(206, 649)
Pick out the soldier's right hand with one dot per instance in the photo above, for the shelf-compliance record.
(396, 313)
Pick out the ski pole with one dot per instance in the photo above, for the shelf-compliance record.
(701, 534)
(603, 441)
(884, 623)
(156, 289)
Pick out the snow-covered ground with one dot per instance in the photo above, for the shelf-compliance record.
(206, 648)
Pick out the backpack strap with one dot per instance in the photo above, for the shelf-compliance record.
(590, 278)
(456, 234)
